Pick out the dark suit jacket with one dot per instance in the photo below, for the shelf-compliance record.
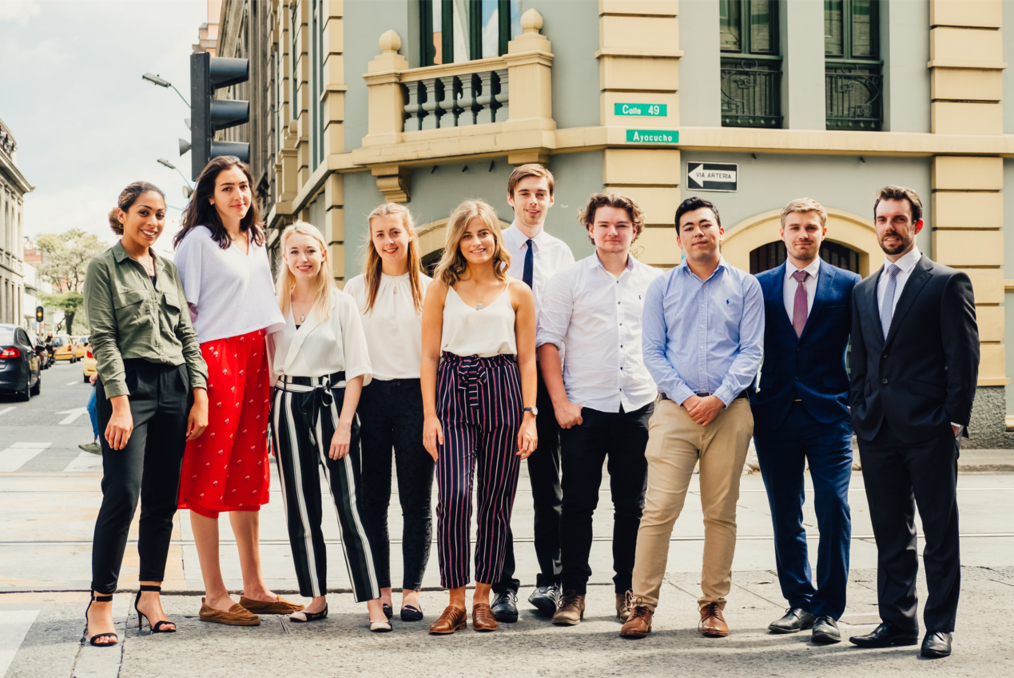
(810, 367)
(923, 376)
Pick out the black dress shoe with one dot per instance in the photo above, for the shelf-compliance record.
(936, 644)
(546, 599)
(388, 611)
(795, 619)
(505, 607)
(886, 635)
(825, 630)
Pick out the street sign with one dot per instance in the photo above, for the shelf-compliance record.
(652, 136)
(712, 176)
(647, 110)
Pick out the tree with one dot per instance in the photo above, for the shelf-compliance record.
(65, 257)
(68, 302)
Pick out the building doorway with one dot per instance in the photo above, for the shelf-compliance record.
(773, 254)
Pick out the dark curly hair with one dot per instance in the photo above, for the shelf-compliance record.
(695, 203)
(200, 211)
(128, 197)
(614, 199)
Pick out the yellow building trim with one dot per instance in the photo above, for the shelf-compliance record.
(843, 227)
(433, 235)
(971, 13)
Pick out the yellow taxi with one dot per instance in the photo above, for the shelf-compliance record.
(64, 348)
(80, 347)
(88, 366)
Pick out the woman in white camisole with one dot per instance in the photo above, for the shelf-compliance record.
(478, 389)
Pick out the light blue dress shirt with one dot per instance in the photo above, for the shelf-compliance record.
(703, 337)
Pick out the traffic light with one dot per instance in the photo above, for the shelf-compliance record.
(40, 314)
(208, 73)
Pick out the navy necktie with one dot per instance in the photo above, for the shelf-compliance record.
(529, 265)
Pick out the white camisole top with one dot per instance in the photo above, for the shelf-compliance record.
(485, 332)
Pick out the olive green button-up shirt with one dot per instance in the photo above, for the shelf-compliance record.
(132, 318)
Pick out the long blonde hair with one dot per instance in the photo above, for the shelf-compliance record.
(373, 265)
(324, 283)
(452, 263)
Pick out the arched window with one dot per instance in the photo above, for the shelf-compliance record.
(773, 254)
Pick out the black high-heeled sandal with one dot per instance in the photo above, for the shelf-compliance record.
(157, 628)
(116, 638)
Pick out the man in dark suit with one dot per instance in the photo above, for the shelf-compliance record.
(915, 360)
(801, 416)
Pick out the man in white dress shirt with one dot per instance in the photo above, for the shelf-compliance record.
(602, 393)
(535, 257)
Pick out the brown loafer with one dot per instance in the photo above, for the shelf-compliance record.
(236, 616)
(638, 624)
(712, 622)
(280, 606)
(452, 619)
(482, 618)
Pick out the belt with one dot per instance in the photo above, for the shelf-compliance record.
(745, 393)
(307, 384)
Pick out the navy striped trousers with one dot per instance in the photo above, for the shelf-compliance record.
(304, 415)
(480, 408)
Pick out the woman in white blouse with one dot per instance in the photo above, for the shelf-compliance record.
(478, 389)
(389, 294)
(320, 362)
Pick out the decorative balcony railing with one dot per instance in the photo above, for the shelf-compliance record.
(854, 96)
(455, 100)
(751, 93)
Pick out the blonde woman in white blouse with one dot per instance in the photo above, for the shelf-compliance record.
(390, 294)
(321, 363)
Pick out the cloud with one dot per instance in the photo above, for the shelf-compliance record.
(18, 11)
(45, 52)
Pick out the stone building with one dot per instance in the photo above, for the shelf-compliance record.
(13, 187)
(750, 104)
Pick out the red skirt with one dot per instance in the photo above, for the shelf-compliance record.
(226, 469)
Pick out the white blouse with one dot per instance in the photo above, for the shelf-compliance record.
(320, 348)
(233, 292)
(485, 332)
(393, 327)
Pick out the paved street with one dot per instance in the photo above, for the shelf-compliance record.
(49, 492)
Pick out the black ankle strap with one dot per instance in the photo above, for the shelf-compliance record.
(102, 598)
(148, 587)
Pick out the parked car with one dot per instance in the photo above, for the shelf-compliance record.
(20, 367)
(80, 347)
(89, 364)
(64, 348)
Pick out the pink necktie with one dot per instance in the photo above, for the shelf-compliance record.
(799, 309)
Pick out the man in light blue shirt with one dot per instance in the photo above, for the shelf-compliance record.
(702, 339)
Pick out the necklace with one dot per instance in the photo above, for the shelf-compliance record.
(479, 306)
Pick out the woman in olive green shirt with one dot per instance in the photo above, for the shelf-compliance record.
(151, 399)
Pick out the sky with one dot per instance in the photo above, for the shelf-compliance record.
(85, 123)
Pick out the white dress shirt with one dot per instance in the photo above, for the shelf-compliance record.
(789, 288)
(907, 265)
(552, 255)
(598, 317)
(319, 348)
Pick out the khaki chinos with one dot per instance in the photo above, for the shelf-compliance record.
(675, 444)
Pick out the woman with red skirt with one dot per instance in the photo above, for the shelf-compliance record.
(227, 279)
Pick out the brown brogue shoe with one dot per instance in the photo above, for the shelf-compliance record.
(452, 619)
(624, 603)
(571, 610)
(638, 624)
(280, 606)
(482, 618)
(712, 622)
(236, 616)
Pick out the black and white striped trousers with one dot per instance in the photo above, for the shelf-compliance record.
(304, 416)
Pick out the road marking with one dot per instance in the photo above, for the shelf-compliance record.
(86, 461)
(72, 383)
(18, 455)
(14, 626)
(6, 410)
(72, 415)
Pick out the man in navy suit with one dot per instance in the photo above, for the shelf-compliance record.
(915, 364)
(801, 415)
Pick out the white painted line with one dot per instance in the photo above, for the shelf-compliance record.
(72, 415)
(6, 410)
(72, 383)
(20, 454)
(14, 626)
(85, 462)
(104, 662)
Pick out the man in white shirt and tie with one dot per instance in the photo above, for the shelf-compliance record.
(603, 393)
(536, 256)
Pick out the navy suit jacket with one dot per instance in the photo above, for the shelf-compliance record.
(810, 367)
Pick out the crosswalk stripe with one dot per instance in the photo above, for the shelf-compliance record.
(6, 410)
(86, 461)
(18, 455)
(14, 626)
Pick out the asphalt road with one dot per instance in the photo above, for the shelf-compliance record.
(49, 495)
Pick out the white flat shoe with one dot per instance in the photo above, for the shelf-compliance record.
(380, 626)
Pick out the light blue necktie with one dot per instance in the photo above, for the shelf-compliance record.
(887, 310)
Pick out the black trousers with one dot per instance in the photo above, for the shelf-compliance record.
(620, 438)
(899, 477)
(547, 495)
(148, 467)
(391, 418)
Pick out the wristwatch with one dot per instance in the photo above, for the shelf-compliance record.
(533, 410)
